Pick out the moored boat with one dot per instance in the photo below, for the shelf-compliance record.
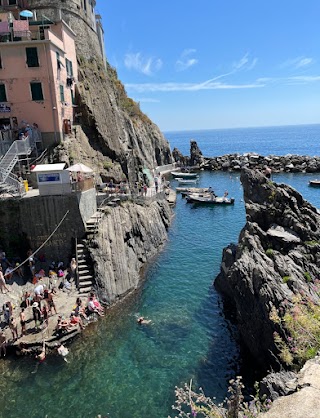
(314, 183)
(187, 190)
(186, 181)
(209, 199)
(184, 175)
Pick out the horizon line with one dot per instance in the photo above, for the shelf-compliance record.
(239, 127)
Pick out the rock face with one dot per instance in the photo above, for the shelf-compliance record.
(120, 139)
(129, 236)
(275, 261)
(303, 399)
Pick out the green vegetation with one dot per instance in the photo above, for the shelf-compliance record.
(272, 196)
(269, 252)
(285, 279)
(300, 330)
(307, 276)
(312, 243)
(131, 107)
(192, 404)
(107, 165)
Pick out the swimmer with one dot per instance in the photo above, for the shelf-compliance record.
(63, 351)
(142, 321)
(40, 357)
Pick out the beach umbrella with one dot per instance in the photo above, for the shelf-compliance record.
(26, 13)
(80, 167)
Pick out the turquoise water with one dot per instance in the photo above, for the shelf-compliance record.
(122, 370)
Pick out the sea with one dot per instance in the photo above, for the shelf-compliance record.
(120, 369)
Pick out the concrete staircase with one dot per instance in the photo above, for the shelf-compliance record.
(85, 269)
(92, 224)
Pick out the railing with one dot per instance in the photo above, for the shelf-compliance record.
(13, 181)
(164, 168)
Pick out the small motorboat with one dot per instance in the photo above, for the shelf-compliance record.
(184, 175)
(209, 199)
(187, 190)
(314, 183)
(186, 181)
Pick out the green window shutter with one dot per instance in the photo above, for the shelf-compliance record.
(61, 93)
(32, 57)
(69, 68)
(72, 97)
(36, 91)
(3, 96)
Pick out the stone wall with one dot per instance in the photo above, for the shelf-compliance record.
(28, 222)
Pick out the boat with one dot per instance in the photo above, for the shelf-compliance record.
(186, 181)
(187, 190)
(209, 199)
(184, 175)
(314, 183)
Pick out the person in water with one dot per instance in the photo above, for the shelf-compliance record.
(142, 321)
(62, 351)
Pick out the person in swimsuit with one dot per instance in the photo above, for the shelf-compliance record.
(22, 316)
(3, 343)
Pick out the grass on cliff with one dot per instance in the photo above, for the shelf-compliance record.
(131, 107)
(299, 336)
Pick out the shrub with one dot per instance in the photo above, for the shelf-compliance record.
(269, 252)
(285, 279)
(307, 276)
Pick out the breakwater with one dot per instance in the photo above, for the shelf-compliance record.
(287, 163)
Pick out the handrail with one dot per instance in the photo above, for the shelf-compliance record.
(13, 180)
(77, 272)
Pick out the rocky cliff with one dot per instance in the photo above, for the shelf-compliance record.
(271, 277)
(120, 139)
(129, 236)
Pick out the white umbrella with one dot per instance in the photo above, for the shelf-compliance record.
(80, 167)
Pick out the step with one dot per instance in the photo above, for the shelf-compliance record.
(82, 261)
(86, 277)
(85, 272)
(85, 284)
(85, 290)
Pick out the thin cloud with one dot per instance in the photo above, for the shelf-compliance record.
(172, 87)
(185, 61)
(145, 65)
(245, 63)
(298, 62)
(147, 100)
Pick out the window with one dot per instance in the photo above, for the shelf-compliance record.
(61, 93)
(36, 91)
(69, 68)
(72, 97)
(32, 57)
(12, 2)
(3, 95)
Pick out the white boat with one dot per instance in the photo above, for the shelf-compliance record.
(183, 175)
(209, 199)
(186, 181)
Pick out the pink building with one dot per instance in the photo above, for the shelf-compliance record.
(38, 69)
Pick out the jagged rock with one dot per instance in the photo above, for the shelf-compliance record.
(281, 223)
(195, 154)
(302, 400)
(278, 384)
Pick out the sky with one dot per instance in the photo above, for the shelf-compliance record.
(209, 64)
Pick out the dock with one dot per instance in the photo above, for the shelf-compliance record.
(171, 196)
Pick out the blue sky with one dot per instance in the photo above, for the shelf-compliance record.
(217, 63)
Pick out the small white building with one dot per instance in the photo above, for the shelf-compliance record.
(52, 179)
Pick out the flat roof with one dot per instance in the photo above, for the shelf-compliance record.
(48, 167)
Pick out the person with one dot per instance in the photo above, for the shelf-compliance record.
(18, 270)
(73, 267)
(92, 308)
(22, 316)
(14, 328)
(51, 303)
(75, 320)
(62, 351)
(145, 189)
(36, 314)
(79, 310)
(39, 289)
(142, 321)
(79, 176)
(156, 183)
(3, 282)
(32, 266)
(44, 314)
(3, 343)
(7, 311)
(225, 195)
(8, 273)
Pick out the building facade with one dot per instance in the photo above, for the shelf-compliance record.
(38, 69)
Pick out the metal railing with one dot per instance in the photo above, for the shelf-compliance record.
(13, 182)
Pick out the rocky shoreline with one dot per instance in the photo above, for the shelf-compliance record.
(236, 162)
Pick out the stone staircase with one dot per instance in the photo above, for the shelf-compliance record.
(85, 268)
